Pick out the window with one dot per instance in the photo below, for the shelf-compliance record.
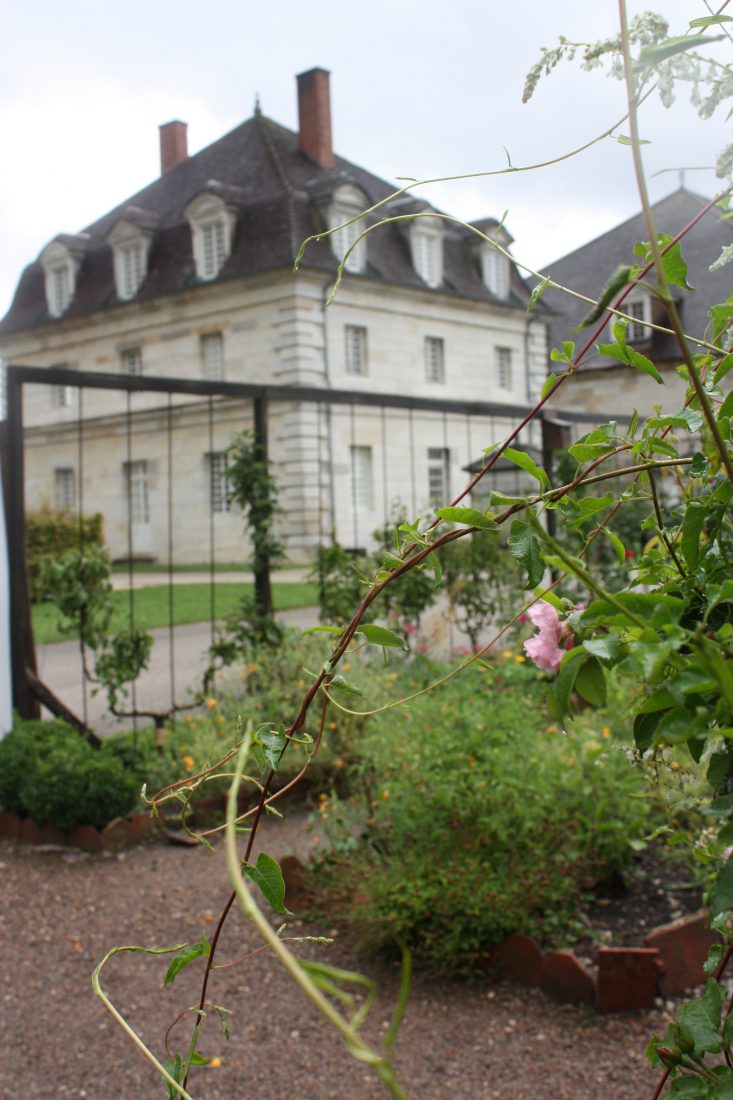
(362, 487)
(60, 280)
(427, 251)
(434, 359)
(347, 203)
(130, 242)
(64, 490)
(213, 248)
(60, 261)
(212, 356)
(637, 330)
(62, 396)
(212, 228)
(495, 271)
(356, 349)
(138, 499)
(131, 360)
(132, 264)
(219, 486)
(503, 368)
(438, 485)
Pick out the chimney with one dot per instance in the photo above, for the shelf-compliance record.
(173, 144)
(314, 116)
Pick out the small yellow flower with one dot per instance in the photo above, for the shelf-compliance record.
(571, 761)
(188, 763)
(211, 703)
(605, 732)
(520, 658)
(220, 718)
(332, 725)
(385, 795)
(506, 654)
(215, 1062)
(551, 729)
(346, 666)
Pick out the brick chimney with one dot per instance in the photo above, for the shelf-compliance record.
(173, 144)
(314, 116)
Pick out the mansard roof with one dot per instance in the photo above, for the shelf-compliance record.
(588, 268)
(278, 194)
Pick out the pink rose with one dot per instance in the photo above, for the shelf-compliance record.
(547, 647)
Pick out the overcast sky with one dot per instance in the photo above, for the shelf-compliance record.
(418, 89)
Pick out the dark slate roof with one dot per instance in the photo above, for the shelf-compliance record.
(280, 196)
(588, 268)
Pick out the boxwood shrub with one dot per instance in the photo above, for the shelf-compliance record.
(50, 773)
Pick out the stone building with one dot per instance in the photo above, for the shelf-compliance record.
(603, 386)
(193, 277)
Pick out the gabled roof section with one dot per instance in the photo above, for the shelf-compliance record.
(588, 268)
(278, 194)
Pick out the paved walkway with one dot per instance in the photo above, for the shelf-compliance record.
(121, 579)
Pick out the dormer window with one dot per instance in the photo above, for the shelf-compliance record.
(639, 308)
(426, 242)
(495, 271)
(60, 263)
(130, 246)
(212, 228)
(347, 203)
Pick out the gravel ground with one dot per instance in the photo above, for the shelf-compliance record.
(62, 912)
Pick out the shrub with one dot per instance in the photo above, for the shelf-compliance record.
(52, 775)
(474, 816)
(49, 534)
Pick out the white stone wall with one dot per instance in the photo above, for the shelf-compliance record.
(275, 330)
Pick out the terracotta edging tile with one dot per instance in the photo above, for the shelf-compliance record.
(627, 978)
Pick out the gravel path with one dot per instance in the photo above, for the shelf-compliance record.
(62, 912)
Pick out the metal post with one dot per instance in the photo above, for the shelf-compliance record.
(22, 647)
(263, 588)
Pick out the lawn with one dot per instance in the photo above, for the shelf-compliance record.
(191, 604)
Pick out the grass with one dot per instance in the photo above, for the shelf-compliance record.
(200, 567)
(191, 604)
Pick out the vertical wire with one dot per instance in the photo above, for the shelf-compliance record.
(319, 424)
(130, 541)
(385, 500)
(354, 487)
(212, 584)
(412, 464)
(80, 523)
(171, 632)
(446, 460)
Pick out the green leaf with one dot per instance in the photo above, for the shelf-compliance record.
(715, 954)
(577, 512)
(685, 418)
(537, 293)
(616, 543)
(173, 1066)
(633, 424)
(380, 635)
(590, 683)
(268, 746)
(550, 381)
(523, 460)
(198, 1059)
(526, 549)
(498, 497)
(726, 409)
(624, 353)
(675, 265)
(692, 525)
(564, 683)
(699, 1020)
(718, 768)
(613, 287)
(722, 895)
(472, 517)
(322, 629)
(644, 728)
(652, 55)
(267, 875)
(724, 366)
(186, 956)
(710, 20)
(605, 646)
(342, 686)
(595, 444)
(624, 139)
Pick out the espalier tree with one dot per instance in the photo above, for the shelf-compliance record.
(664, 628)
